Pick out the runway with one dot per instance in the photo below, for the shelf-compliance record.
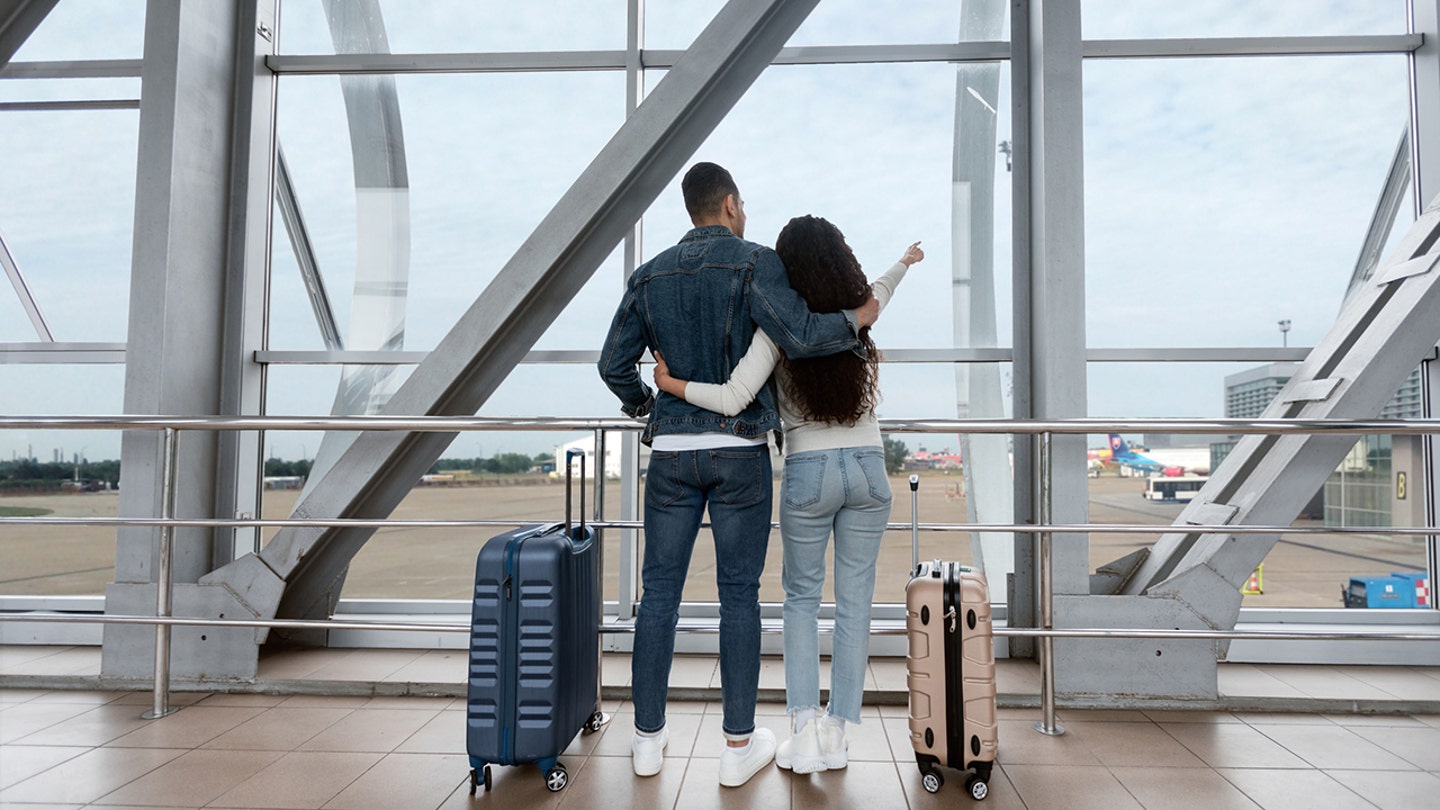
(1307, 571)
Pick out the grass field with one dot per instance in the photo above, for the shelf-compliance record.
(23, 511)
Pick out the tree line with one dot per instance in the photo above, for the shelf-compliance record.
(29, 474)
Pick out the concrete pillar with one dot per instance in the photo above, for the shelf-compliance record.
(193, 305)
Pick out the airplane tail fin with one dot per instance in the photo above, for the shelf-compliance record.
(1118, 447)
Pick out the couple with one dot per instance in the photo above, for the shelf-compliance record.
(721, 315)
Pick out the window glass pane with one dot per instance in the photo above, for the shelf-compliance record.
(68, 215)
(487, 156)
(88, 29)
(480, 477)
(674, 24)
(69, 473)
(462, 26)
(1226, 195)
(876, 161)
(68, 90)
(1127, 19)
(1378, 484)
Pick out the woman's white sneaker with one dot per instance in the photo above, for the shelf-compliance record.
(805, 753)
(833, 747)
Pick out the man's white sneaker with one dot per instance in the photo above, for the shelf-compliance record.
(647, 754)
(736, 768)
(834, 748)
(805, 755)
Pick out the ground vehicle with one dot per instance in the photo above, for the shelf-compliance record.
(1174, 488)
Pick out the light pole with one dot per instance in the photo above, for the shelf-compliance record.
(1285, 332)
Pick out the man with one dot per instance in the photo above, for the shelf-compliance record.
(698, 304)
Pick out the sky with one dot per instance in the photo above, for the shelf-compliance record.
(1222, 195)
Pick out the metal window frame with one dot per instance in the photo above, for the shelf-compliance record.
(635, 60)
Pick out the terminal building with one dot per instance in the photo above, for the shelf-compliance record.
(360, 236)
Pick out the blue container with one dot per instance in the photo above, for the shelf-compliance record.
(1393, 591)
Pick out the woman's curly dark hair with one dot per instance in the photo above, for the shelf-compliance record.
(840, 388)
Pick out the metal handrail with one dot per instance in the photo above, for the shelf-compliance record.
(1045, 531)
(407, 523)
(446, 424)
(770, 627)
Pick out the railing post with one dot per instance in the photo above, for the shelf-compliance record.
(1047, 724)
(603, 717)
(163, 577)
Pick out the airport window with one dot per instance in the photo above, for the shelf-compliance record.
(1126, 19)
(465, 26)
(1226, 194)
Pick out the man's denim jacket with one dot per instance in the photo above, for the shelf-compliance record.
(699, 303)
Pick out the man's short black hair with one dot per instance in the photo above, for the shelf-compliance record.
(705, 187)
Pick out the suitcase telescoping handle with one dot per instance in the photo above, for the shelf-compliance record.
(914, 524)
(570, 488)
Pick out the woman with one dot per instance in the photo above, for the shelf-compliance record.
(834, 477)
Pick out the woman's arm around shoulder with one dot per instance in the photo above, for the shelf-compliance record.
(733, 395)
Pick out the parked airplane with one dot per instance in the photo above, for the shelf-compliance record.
(1120, 453)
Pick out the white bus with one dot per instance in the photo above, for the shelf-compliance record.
(1173, 488)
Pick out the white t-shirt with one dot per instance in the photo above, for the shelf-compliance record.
(681, 442)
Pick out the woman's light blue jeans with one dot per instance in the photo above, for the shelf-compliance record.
(847, 492)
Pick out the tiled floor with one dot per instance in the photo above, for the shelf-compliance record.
(72, 749)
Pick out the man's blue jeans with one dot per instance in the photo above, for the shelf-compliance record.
(737, 485)
(847, 492)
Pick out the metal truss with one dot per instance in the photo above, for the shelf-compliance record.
(22, 289)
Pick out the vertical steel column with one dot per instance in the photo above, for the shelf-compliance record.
(628, 596)
(1424, 64)
(1021, 600)
(163, 579)
(1046, 725)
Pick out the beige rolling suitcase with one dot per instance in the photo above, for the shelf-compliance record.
(950, 670)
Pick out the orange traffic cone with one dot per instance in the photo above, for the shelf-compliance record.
(1255, 585)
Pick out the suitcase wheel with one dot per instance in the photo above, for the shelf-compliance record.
(977, 788)
(932, 779)
(478, 777)
(596, 722)
(557, 778)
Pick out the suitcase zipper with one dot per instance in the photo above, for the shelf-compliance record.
(508, 663)
(954, 676)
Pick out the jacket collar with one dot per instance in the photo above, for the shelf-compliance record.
(707, 232)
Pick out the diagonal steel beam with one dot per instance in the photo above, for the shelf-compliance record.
(1397, 183)
(22, 289)
(288, 202)
(18, 20)
(298, 572)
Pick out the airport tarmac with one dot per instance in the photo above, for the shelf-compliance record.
(1301, 571)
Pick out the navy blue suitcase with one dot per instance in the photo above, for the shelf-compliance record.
(534, 646)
